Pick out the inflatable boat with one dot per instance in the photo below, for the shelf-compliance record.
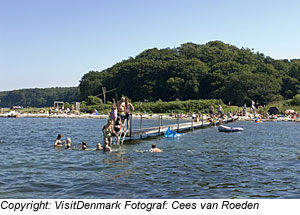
(170, 133)
(223, 128)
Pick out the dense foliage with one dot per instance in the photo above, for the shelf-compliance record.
(38, 97)
(156, 107)
(212, 71)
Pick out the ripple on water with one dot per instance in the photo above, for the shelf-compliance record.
(261, 162)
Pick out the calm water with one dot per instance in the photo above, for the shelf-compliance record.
(261, 162)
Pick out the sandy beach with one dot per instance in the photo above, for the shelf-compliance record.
(145, 116)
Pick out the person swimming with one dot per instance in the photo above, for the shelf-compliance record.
(99, 147)
(58, 141)
(68, 145)
(106, 147)
(154, 149)
(83, 145)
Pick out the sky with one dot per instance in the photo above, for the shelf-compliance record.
(53, 43)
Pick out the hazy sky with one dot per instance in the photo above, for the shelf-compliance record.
(49, 43)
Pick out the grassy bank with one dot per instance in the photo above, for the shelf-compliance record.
(175, 107)
(161, 107)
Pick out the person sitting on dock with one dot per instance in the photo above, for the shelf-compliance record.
(58, 142)
(108, 131)
(106, 147)
(154, 149)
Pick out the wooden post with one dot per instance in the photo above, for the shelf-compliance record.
(177, 122)
(160, 123)
(202, 121)
(141, 124)
(130, 117)
(192, 123)
(104, 94)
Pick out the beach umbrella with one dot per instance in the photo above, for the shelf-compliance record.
(289, 111)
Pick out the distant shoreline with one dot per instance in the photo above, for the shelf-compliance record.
(145, 116)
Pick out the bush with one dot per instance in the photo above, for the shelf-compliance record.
(295, 100)
(176, 106)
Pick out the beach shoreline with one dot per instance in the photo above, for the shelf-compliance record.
(145, 116)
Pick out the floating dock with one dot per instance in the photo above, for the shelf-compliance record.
(159, 130)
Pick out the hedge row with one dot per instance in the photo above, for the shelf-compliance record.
(160, 106)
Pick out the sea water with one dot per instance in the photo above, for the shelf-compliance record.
(261, 162)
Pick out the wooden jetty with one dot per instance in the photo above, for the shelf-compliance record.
(159, 130)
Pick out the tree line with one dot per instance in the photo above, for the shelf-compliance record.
(39, 97)
(214, 70)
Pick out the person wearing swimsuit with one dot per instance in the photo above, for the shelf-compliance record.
(108, 131)
(114, 112)
(128, 109)
(58, 142)
(117, 128)
(121, 108)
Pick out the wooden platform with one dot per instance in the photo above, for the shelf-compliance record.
(158, 130)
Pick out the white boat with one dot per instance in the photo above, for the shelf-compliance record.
(224, 128)
(12, 114)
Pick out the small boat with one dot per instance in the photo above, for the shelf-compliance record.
(223, 128)
(170, 133)
(12, 114)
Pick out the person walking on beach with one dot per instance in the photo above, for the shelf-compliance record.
(244, 109)
(253, 108)
(211, 111)
(220, 111)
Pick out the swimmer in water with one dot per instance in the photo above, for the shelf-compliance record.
(68, 146)
(99, 147)
(58, 142)
(83, 145)
(106, 147)
(154, 149)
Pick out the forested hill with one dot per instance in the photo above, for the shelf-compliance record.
(38, 97)
(192, 71)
